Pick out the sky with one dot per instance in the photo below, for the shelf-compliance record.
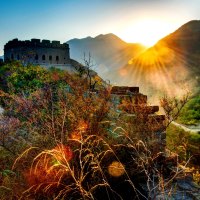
(144, 21)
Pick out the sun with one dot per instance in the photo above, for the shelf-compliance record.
(147, 31)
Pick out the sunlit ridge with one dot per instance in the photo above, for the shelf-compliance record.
(147, 31)
(155, 66)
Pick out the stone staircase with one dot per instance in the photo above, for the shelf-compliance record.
(139, 118)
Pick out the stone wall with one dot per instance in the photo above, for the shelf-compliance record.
(37, 52)
(139, 118)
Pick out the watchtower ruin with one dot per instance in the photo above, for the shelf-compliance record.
(139, 118)
(37, 52)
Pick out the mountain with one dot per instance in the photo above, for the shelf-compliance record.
(108, 52)
(170, 65)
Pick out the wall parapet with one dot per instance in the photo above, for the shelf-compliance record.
(36, 51)
(35, 43)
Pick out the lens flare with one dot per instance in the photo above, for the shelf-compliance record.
(161, 67)
(49, 167)
(75, 135)
(63, 153)
(123, 72)
(116, 169)
(81, 128)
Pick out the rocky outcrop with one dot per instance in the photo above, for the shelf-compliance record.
(182, 188)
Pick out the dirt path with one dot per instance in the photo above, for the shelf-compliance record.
(192, 129)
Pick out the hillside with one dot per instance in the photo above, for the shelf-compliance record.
(171, 64)
(108, 52)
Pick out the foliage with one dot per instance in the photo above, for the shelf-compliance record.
(57, 109)
(173, 106)
(67, 140)
(178, 142)
(186, 145)
(190, 114)
(16, 78)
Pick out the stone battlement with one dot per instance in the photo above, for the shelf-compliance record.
(36, 51)
(35, 43)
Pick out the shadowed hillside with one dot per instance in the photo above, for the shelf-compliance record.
(108, 52)
(171, 64)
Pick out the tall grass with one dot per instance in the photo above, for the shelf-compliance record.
(71, 143)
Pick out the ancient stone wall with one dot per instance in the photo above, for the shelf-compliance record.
(139, 118)
(37, 52)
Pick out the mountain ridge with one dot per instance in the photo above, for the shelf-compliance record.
(172, 60)
(108, 51)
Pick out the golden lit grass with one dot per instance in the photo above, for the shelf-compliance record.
(83, 162)
(77, 169)
(88, 162)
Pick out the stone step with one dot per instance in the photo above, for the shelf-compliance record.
(124, 90)
(155, 123)
(144, 110)
(157, 118)
(136, 119)
(139, 99)
(135, 98)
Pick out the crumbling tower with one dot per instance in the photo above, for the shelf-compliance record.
(37, 52)
(139, 118)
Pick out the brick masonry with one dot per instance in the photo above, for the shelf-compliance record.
(35, 51)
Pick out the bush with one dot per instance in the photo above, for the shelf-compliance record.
(16, 78)
(64, 143)
(190, 114)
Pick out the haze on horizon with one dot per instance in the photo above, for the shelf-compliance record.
(144, 21)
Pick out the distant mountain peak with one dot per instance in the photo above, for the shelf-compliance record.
(103, 37)
(88, 37)
(193, 25)
(106, 35)
(109, 36)
(79, 39)
(108, 51)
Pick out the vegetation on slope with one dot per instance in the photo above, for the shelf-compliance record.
(190, 114)
(16, 78)
(187, 146)
(58, 141)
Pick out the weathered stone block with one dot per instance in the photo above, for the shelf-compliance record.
(124, 90)
(138, 118)
(144, 110)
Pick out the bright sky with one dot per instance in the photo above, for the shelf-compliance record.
(143, 21)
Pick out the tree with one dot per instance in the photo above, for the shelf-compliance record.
(173, 106)
(90, 74)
